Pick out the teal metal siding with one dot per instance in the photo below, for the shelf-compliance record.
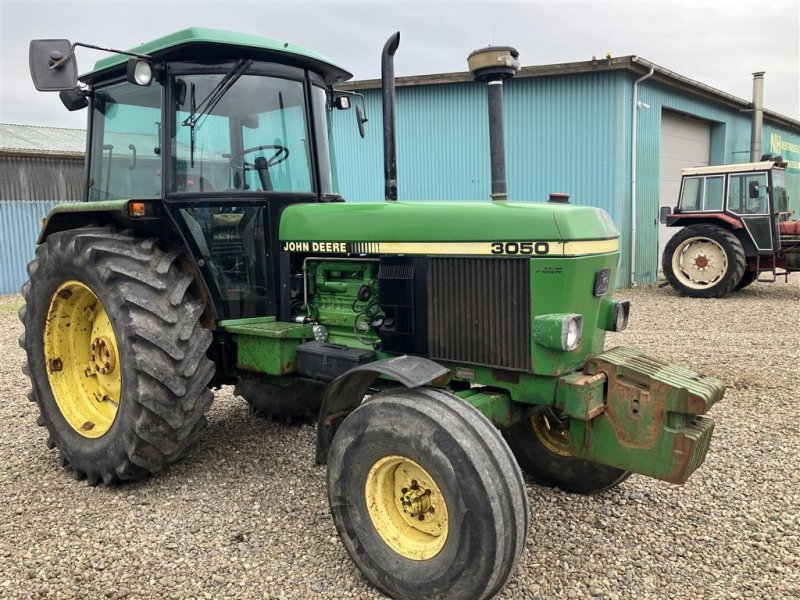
(20, 223)
(562, 135)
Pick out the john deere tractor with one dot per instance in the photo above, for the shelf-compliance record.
(737, 229)
(433, 342)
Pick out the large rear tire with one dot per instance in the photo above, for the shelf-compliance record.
(297, 401)
(704, 261)
(426, 496)
(542, 451)
(115, 353)
(748, 278)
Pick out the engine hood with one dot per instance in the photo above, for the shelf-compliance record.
(445, 222)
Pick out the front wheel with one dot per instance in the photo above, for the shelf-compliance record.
(541, 446)
(704, 261)
(116, 353)
(426, 496)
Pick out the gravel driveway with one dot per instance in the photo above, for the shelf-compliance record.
(245, 514)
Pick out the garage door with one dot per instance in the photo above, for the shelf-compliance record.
(685, 142)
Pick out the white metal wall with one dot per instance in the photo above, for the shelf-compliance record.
(685, 142)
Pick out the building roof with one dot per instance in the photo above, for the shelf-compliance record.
(635, 65)
(172, 45)
(32, 139)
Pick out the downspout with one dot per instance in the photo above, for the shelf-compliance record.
(634, 129)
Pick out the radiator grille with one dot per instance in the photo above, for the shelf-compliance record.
(479, 311)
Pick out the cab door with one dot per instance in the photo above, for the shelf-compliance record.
(748, 198)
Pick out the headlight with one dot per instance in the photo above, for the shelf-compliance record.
(559, 331)
(573, 328)
(619, 314)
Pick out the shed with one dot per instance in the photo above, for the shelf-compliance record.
(570, 127)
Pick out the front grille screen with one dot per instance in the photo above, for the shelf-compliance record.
(479, 311)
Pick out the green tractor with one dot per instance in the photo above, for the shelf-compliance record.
(440, 346)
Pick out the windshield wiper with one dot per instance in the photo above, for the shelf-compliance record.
(198, 111)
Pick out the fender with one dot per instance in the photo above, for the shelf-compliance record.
(347, 391)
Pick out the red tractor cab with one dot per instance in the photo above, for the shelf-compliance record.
(736, 229)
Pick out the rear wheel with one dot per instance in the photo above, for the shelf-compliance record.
(426, 496)
(541, 446)
(704, 261)
(748, 278)
(115, 353)
(295, 401)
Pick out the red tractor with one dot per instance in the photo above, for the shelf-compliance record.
(737, 229)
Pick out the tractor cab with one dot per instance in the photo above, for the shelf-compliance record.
(220, 130)
(737, 225)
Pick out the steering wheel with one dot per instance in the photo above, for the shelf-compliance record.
(280, 155)
(260, 165)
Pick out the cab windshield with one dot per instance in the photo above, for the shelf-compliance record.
(253, 137)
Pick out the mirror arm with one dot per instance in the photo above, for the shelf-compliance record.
(125, 52)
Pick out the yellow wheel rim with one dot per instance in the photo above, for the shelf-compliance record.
(82, 360)
(407, 508)
(553, 438)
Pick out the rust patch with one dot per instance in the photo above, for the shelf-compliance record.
(88, 426)
(65, 294)
(55, 365)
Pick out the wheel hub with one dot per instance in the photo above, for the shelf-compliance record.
(407, 507)
(103, 355)
(699, 262)
(416, 501)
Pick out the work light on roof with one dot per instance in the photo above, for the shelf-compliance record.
(140, 72)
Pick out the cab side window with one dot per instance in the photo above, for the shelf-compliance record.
(747, 194)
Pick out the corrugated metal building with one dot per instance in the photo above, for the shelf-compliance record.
(569, 128)
(41, 163)
(39, 166)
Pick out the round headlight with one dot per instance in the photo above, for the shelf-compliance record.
(143, 73)
(573, 337)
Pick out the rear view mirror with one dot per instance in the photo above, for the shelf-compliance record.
(53, 66)
(662, 214)
(360, 119)
(753, 187)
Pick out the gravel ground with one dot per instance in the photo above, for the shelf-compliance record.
(245, 515)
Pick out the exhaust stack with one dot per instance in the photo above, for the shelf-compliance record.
(758, 116)
(494, 65)
(389, 143)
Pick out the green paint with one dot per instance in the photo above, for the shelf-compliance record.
(165, 47)
(497, 406)
(270, 355)
(566, 285)
(68, 215)
(267, 327)
(444, 222)
(265, 345)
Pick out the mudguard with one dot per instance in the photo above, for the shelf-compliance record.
(347, 391)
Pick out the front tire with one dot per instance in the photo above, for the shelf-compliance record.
(115, 353)
(426, 496)
(704, 261)
(542, 451)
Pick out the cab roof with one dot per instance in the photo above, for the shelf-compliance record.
(197, 43)
(764, 165)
